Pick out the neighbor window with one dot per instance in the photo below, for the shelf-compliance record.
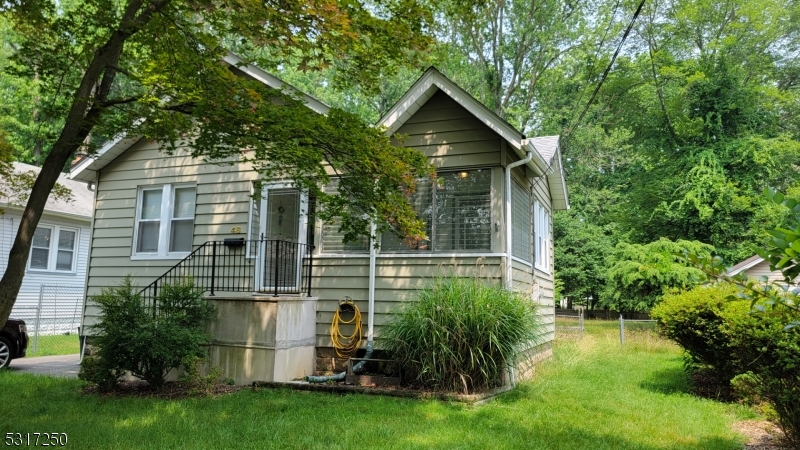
(456, 209)
(165, 220)
(53, 248)
(520, 222)
(541, 229)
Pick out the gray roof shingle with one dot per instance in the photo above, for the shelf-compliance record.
(82, 198)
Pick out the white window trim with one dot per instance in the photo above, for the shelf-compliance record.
(541, 225)
(167, 202)
(52, 254)
(389, 255)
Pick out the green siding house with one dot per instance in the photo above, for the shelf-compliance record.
(489, 215)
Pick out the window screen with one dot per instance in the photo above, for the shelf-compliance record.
(520, 222)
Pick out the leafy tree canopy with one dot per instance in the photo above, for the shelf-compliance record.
(639, 275)
(153, 69)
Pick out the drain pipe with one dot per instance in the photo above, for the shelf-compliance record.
(370, 315)
(509, 272)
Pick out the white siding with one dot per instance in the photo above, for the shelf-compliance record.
(29, 292)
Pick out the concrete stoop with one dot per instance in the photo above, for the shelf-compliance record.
(260, 338)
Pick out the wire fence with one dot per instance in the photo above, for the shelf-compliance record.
(569, 325)
(53, 323)
(631, 325)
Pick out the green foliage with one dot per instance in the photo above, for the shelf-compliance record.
(696, 320)
(461, 334)
(130, 337)
(195, 381)
(639, 275)
(580, 256)
(770, 354)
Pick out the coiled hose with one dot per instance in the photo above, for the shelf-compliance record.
(346, 346)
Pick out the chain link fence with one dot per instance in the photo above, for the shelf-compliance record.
(569, 325)
(53, 323)
(634, 326)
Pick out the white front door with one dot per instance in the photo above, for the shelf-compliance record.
(284, 222)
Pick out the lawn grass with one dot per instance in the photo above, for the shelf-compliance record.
(62, 344)
(592, 394)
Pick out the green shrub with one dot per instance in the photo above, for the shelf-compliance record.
(754, 349)
(197, 383)
(769, 352)
(696, 320)
(461, 334)
(93, 371)
(131, 338)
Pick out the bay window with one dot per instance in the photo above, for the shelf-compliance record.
(165, 221)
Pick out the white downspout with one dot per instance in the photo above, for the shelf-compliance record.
(371, 291)
(370, 316)
(509, 272)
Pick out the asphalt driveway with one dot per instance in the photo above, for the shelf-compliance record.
(57, 366)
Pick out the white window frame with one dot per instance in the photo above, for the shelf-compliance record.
(541, 240)
(167, 204)
(52, 255)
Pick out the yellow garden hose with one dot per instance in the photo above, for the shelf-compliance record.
(346, 346)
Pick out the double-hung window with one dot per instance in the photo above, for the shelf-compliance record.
(520, 222)
(541, 228)
(54, 249)
(165, 221)
(456, 209)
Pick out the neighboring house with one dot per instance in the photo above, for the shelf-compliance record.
(756, 267)
(58, 258)
(151, 210)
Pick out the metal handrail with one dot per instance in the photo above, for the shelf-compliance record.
(276, 267)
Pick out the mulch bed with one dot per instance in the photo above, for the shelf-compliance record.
(761, 435)
(705, 385)
(169, 390)
(402, 391)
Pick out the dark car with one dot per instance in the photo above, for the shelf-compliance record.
(13, 342)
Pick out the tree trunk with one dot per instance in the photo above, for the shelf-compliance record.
(85, 111)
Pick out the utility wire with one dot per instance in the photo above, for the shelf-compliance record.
(608, 68)
(596, 89)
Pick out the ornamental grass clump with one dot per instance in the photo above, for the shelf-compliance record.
(461, 334)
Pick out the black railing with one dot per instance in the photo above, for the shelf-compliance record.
(235, 265)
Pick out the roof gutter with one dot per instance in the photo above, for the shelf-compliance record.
(526, 160)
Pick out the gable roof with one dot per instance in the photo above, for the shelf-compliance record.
(85, 168)
(746, 264)
(82, 198)
(546, 149)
